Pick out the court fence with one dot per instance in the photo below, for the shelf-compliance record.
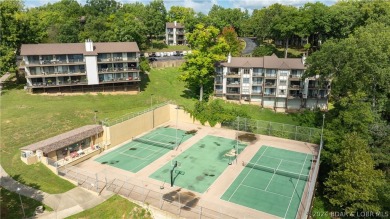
(173, 201)
(132, 115)
(293, 132)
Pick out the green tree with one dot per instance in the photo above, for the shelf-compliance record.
(207, 49)
(264, 50)
(231, 38)
(155, 18)
(353, 184)
(180, 14)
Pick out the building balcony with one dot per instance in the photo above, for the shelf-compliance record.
(57, 84)
(270, 75)
(232, 92)
(233, 84)
(54, 62)
(219, 91)
(233, 75)
(294, 96)
(259, 83)
(56, 74)
(118, 70)
(258, 75)
(255, 92)
(295, 77)
(270, 94)
(269, 84)
(218, 82)
(295, 87)
(123, 79)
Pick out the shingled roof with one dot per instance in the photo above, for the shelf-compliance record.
(270, 62)
(172, 25)
(65, 139)
(77, 48)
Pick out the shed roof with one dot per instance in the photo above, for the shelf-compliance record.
(64, 139)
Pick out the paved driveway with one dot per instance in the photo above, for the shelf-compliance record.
(250, 45)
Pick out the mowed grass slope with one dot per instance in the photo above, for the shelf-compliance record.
(114, 207)
(27, 118)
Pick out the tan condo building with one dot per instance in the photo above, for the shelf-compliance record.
(81, 67)
(271, 82)
(174, 34)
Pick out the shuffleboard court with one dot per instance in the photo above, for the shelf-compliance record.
(273, 182)
(141, 152)
(201, 164)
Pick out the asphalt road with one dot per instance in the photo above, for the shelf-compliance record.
(250, 45)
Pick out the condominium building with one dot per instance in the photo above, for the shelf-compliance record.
(174, 34)
(271, 82)
(80, 67)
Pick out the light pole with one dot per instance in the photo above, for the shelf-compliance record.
(177, 119)
(21, 203)
(151, 100)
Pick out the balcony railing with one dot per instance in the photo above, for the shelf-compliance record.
(234, 83)
(295, 87)
(218, 91)
(269, 94)
(256, 92)
(295, 76)
(293, 96)
(218, 82)
(269, 84)
(123, 79)
(232, 92)
(270, 75)
(257, 82)
(258, 74)
(233, 74)
(108, 70)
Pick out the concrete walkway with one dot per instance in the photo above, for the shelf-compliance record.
(64, 205)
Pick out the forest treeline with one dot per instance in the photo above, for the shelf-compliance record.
(348, 43)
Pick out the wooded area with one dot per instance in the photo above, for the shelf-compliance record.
(348, 42)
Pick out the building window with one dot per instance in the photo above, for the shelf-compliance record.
(246, 71)
(245, 80)
(282, 82)
(245, 90)
(282, 92)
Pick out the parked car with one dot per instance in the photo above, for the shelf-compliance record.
(152, 54)
(158, 54)
(152, 59)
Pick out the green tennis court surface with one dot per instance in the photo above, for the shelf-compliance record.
(141, 152)
(273, 182)
(201, 164)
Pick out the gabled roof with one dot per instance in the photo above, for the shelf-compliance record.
(65, 139)
(77, 48)
(270, 62)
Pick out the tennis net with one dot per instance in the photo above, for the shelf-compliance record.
(170, 145)
(276, 171)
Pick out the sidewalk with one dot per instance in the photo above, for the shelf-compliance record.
(64, 205)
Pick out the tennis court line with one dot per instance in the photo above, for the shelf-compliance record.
(283, 159)
(134, 156)
(265, 191)
(273, 175)
(295, 186)
(247, 174)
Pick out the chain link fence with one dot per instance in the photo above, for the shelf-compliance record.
(280, 130)
(123, 118)
(182, 204)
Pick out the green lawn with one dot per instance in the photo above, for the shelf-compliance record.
(114, 207)
(11, 206)
(27, 118)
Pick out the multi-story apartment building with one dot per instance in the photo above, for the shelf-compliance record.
(78, 67)
(174, 34)
(271, 82)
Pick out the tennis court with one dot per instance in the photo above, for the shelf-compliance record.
(273, 182)
(141, 152)
(201, 164)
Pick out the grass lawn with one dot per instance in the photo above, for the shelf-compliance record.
(11, 207)
(115, 207)
(27, 118)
